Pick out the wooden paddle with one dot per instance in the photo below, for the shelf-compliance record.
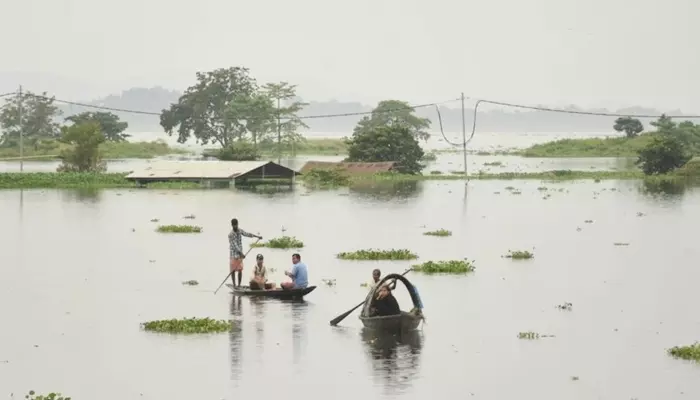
(229, 274)
(335, 321)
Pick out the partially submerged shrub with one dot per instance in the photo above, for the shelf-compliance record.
(439, 232)
(691, 352)
(51, 396)
(445, 267)
(519, 255)
(188, 325)
(284, 242)
(372, 254)
(179, 229)
(326, 177)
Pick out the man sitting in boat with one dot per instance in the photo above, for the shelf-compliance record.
(299, 274)
(385, 303)
(259, 281)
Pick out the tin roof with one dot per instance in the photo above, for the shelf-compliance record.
(196, 169)
(352, 167)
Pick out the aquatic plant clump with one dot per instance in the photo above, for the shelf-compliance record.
(439, 232)
(445, 267)
(187, 325)
(375, 255)
(519, 255)
(190, 283)
(691, 352)
(284, 242)
(51, 396)
(179, 229)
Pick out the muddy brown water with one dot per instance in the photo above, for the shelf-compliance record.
(79, 271)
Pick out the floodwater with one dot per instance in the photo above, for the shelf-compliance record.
(79, 271)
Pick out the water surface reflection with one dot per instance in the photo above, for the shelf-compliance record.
(395, 358)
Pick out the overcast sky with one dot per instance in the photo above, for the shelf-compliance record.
(588, 52)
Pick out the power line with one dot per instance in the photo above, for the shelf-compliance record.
(8, 94)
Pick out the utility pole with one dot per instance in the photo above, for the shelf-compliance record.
(21, 134)
(464, 139)
(279, 134)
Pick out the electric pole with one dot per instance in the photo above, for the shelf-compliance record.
(464, 139)
(21, 134)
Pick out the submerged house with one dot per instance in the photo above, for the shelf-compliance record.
(213, 173)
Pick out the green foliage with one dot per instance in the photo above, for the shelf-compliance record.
(284, 242)
(37, 119)
(326, 177)
(631, 126)
(285, 135)
(84, 153)
(392, 113)
(124, 149)
(110, 125)
(430, 156)
(77, 180)
(665, 153)
(372, 254)
(528, 335)
(519, 255)
(387, 143)
(691, 352)
(51, 396)
(445, 267)
(179, 229)
(439, 232)
(188, 325)
(190, 283)
(589, 147)
(241, 150)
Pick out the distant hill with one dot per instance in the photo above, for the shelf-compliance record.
(490, 119)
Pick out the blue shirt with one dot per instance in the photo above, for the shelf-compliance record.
(300, 275)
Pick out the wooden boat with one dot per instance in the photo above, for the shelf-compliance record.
(406, 321)
(291, 294)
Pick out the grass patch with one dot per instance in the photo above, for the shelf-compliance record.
(77, 180)
(315, 146)
(589, 147)
(691, 352)
(109, 150)
(519, 255)
(373, 255)
(179, 229)
(439, 232)
(445, 267)
(190, 283)
(187, 325)
(284, 242)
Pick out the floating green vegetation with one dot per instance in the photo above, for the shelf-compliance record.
(691, 352)
(439, 232)
(435, 172)
(326, 178)
(528, 335)
(51, 396)
(179, 229)
(621, 244)
(190, 283)
(565, 306)
(188, 325)
(493, 164)
(191, 216)
(155, 220)
(78, 180)
(445, 267)
(429, 156)
(372, 254)
(284, 242)
(519, 255)
(329, 282)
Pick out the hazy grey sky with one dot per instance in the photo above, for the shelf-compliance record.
(589, 52)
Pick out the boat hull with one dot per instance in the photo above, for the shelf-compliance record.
(292, 294)
(392, 323)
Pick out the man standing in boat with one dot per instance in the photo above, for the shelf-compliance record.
(236, 250)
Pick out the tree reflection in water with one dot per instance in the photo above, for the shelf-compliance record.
(236, 339)
(395, 358)
(299, 310)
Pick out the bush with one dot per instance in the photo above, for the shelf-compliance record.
(665, 153)
(238, 151)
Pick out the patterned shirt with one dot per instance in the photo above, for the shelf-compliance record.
(234, 242)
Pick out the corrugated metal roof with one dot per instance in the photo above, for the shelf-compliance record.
(352, 167)
(195, 169)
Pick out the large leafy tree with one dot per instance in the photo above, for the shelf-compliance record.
(38, 113)
(110, 125)
(631, 126)
(84, 155)
(219, 108)
(387, 143)
(395, 112)
(288, 106)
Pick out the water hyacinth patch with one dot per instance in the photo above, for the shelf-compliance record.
(691, 352)
(439, 232)
(445, 267)
(374, 255)
(519, 255)
(187, 325)
(190, 283)
(284, 242)
(179, 229)
(51, 396)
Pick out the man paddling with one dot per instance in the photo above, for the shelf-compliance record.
(236, 250)
(299, 274)
(376, 277)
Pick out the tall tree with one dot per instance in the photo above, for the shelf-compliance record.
(84, 155)
(215, 109)
(631, 126)
(387, 143)
(664, 124)
(287, 122)
(395, 112)
(110, 125)
(38, 114)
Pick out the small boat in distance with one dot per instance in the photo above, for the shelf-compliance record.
(291, 294)
(403, 322)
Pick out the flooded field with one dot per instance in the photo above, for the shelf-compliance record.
(79, 271)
